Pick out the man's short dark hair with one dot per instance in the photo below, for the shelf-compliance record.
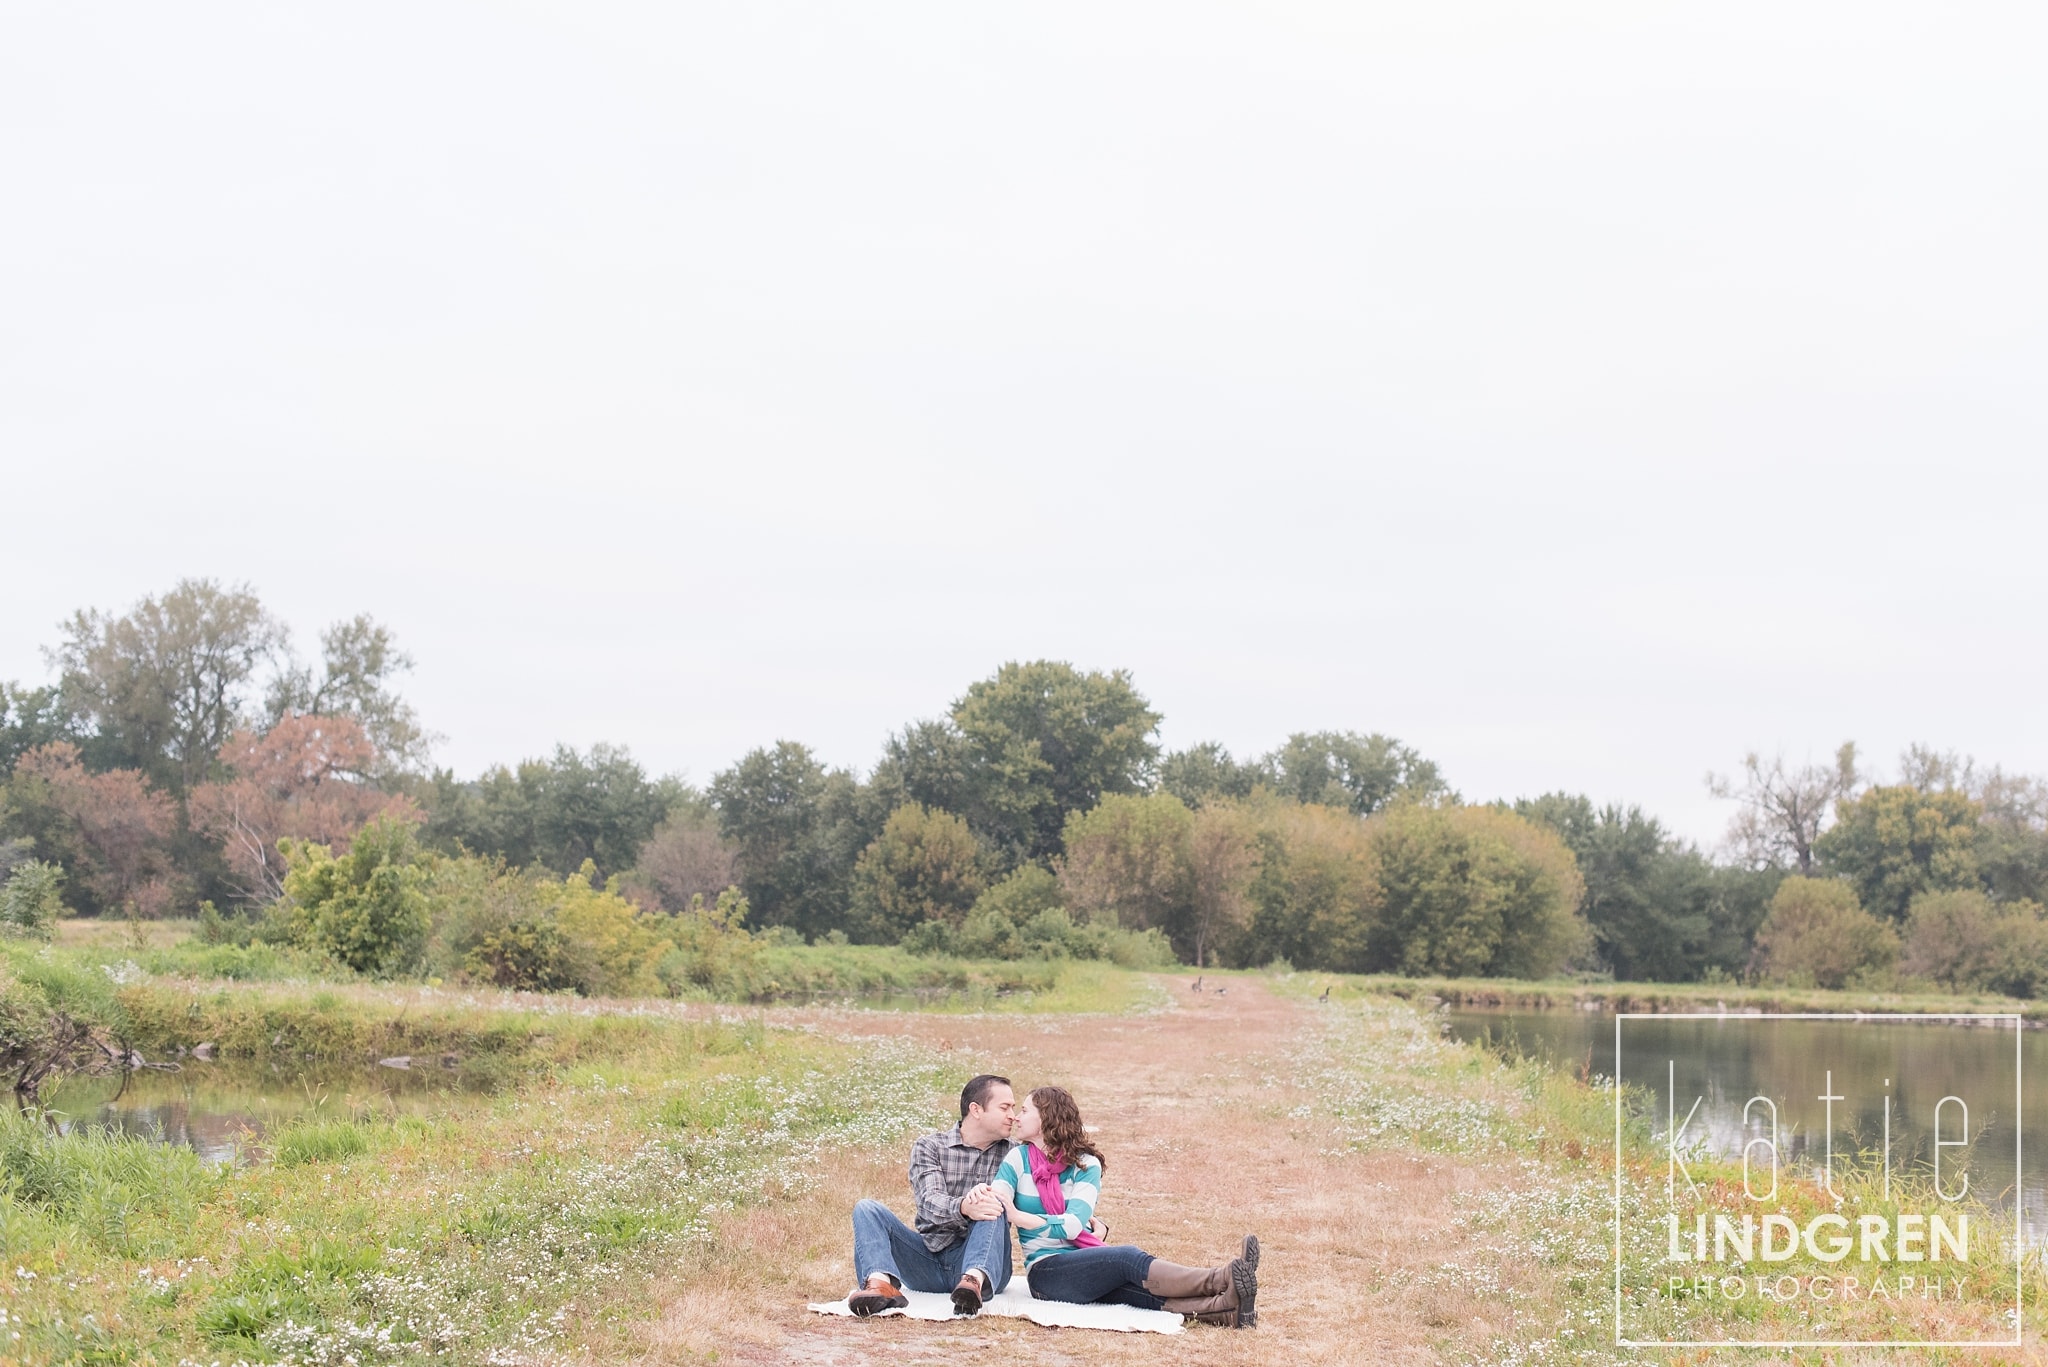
(975, 1093)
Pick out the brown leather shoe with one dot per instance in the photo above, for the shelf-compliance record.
(969, 1295)
(878, 1295)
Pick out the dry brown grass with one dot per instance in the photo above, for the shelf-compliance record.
(77, 932)
(1193, 1108)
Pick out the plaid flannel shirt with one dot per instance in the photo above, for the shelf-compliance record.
(943, 1168)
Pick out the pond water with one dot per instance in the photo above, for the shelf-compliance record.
(221, 1109)
(1723, 1062)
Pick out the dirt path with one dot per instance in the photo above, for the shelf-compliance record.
(1193, 1107)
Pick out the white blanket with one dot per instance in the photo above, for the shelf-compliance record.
(1016, 1302)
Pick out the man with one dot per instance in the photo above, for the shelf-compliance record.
(962, 1241)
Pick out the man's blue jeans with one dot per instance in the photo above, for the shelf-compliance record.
(883, 1243)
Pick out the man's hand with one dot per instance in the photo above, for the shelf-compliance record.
(981, 1204)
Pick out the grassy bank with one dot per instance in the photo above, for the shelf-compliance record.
(484, 1038)
(1568, 995)
(524, 1222)
(881, 975)
(888, 976)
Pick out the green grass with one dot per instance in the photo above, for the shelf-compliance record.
(862, 975)
(887, 976)
(318, 1141)
(514, 1223)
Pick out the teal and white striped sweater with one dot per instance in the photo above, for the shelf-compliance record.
(1080, 1185)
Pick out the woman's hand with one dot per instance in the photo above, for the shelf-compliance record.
(1020, 1219)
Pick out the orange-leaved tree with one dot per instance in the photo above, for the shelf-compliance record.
(306, 778)
(112, 827)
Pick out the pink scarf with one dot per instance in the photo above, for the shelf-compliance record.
(1045, 1172)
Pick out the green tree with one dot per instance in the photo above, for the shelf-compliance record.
(165, 684)
(1893, 843)
(1206, 773)
(1314, 891)
(1473, 891)
(1046, 740)
(1223, 855)
(925, 866)
(1741, 900)
(31, 717)
(1964, 941)
(1817, 934)
(368, 907)
(358, 659)
(1128, 861)
(1346, 769)
(931, 763)
(556, 813)
(1650, 900)
(2012, 837)
(798, 827)
(1951, 939)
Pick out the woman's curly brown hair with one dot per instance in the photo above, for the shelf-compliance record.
(1064, 1140)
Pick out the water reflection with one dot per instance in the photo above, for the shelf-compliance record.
(1724, 1062)
(219, 1110)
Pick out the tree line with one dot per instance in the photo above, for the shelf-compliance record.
(185, 757)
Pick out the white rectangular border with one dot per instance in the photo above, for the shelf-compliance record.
(2018, 1022)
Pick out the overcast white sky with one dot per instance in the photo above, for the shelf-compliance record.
(1583, 393)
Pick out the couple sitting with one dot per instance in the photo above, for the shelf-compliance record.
(1033, 1167)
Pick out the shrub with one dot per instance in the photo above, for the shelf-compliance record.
(621, 944)
(712, 950)
(367, 908)
(1965, 941)
(31, 900)
(473, 898)
(528, 956)
(1818, 934)
(1049, 934)
(532, 932)
(2020, 965)
(1028, 890)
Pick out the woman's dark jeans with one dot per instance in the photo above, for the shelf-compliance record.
(1113, 1274)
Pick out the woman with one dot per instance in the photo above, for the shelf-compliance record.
(1049, 1184)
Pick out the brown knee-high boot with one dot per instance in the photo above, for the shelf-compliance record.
(1226, 1295)
(1207, 1293)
